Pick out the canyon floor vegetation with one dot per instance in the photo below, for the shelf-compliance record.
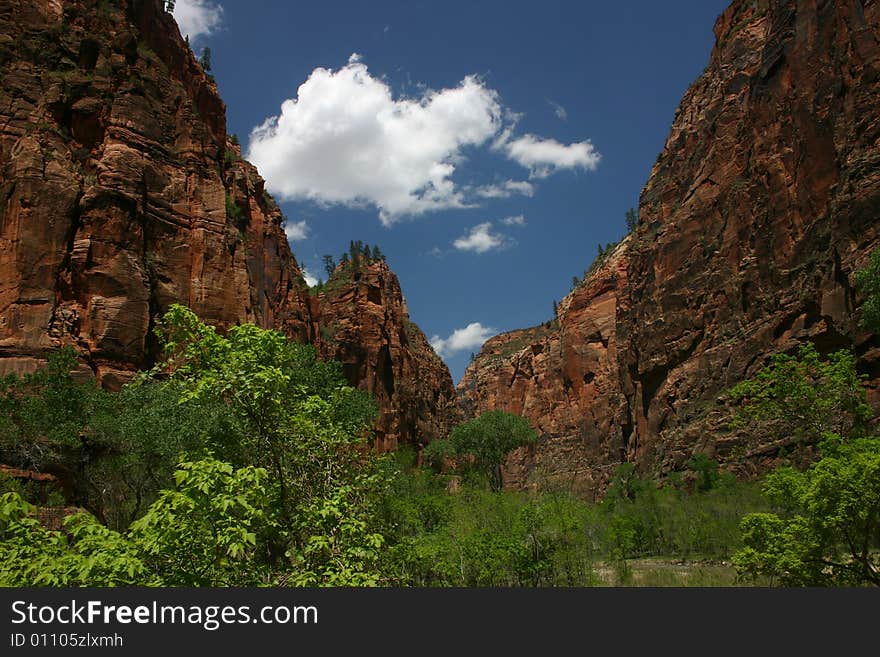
(242, 459)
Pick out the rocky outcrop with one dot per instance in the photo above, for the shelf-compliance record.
(361, 320)
(761, 206)
(563, 375)
(121, 193)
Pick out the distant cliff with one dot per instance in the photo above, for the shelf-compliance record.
(764, 201)
(121, 193)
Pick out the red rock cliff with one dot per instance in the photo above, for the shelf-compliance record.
(763, 203)
(120, 194)
(362, 321)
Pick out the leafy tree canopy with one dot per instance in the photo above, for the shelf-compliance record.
(801, 397)
(868, 281)
(830, 533)
(205, 532)
(486, 440)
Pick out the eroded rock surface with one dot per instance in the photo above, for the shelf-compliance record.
(121, 193)
(763, 203)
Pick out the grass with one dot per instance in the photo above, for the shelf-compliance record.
(668, 572)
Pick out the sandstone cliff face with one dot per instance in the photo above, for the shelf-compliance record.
(120, 193)
(114, 182)
(361, 320)
(564, 378)
(761, 206)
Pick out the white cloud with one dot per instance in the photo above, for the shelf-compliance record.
(543, 156)
(345, 139)
(518, 220)
(296, 231)
(470, 337)
(506, 189)
(309, 278)
(482, 238)
(558, 110)
(197, 18)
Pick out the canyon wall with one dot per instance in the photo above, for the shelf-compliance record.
(763, 203)
(121, 193)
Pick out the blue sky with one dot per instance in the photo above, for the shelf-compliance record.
(486, 147)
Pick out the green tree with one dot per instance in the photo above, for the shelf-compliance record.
(354, 252)
(830, 534)
(43, 414)
(632, 219)
(708, 474)
(85, 554)
(329, 264)
(207, 531)
(486, 441)
(114, 451)
(266, 380)
(303, 423)
(868, 281)
(797, 399)
(235, 213)
(205, 60)
(139, 435)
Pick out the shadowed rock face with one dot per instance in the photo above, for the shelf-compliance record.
(120, 194)
(764, 201)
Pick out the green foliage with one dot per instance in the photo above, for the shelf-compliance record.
(868, 282)
(350, 262)
(264, 403)
(799, 398)
(341, 549)
(118, 449)
(358, 253)
(302, 423)
(203, 533)
(642, 519)
(85, 554)
(42, 414)
(234, 213)
(478, 538)
(474, 537)
(486, 441)
(206, 531)
(139, 437)
(632, 220)
(205, 60)
(830, 535)
(708, 474)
